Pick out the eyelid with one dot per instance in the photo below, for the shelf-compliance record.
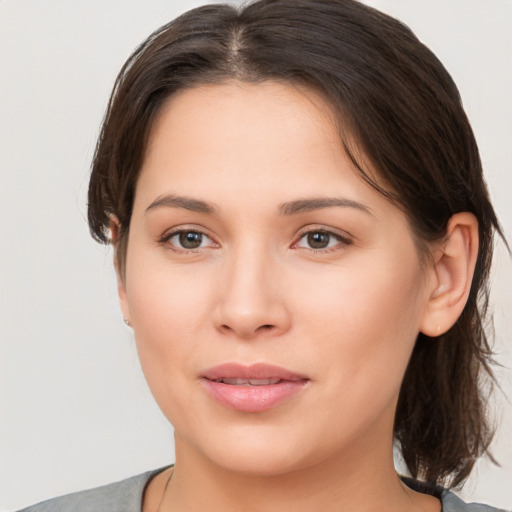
(168, 234)
(344, 238)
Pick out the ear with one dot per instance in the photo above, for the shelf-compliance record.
(115, 229)
(451, 274)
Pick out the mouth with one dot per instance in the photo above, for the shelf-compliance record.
(254, 388)
(249, 382)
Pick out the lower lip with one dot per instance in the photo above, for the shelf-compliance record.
(253, 398)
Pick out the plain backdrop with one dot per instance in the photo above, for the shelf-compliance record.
(75, 409)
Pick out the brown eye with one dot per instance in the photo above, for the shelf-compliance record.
(322, 241)
(318, 239)
(190, 239)
(186, 239)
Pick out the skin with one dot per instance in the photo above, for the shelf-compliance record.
(255, 290)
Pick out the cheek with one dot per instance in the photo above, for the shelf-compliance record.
(168, 310)
(165, 298)
(366, 319)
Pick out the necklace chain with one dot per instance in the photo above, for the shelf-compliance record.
(165, 491)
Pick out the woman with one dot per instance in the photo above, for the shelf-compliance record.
(302, 239)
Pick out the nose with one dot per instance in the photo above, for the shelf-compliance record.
(252, 298)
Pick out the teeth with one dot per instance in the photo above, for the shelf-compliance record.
(249, 382)
(263, 382)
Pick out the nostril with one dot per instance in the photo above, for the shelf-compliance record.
(260, 329)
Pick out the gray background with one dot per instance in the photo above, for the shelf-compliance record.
(75, 410)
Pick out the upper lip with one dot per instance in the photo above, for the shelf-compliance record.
(253, 371)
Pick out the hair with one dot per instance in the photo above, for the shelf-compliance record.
(399, 113)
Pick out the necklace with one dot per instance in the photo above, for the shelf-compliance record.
(165, 491)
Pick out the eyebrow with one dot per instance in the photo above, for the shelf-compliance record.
(174, 201)
(289, 208)
(317, 203)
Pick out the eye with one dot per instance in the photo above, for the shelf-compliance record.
(321, 240)
(187, 239)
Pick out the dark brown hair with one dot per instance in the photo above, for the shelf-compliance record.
(392, 97)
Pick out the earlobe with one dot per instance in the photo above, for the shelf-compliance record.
(115, 228)
(452, 272)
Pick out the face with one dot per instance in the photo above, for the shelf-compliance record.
(275, 296)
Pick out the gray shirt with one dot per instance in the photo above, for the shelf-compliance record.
(127, 495)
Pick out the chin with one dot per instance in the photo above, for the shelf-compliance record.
(261, 451)
(259, 463)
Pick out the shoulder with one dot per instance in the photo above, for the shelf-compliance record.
(125, 495)
(452, 503)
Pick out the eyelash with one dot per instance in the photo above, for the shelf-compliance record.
(342, 240)
(165, 240)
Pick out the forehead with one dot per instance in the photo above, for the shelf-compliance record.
(264, 113)
(250, 131)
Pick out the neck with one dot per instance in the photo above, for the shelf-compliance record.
(348, 481)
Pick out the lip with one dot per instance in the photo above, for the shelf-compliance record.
(252, 398)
